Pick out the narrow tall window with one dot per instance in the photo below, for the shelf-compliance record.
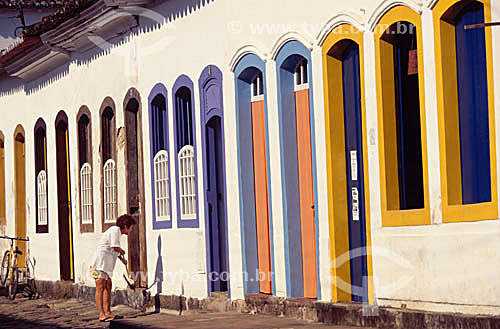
(107, 136)
(41, 177)
(110, 209)
(401, 111)
(42, 197)
(187, 183)
(160, 162)
(109, 186)
(162, 191)
(85, 160)
(86, 193)
(186, 154)
(402, 126)
(466, 107)
(465, 85)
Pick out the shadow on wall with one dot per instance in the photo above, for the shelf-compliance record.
(160, 16)
(158, 277)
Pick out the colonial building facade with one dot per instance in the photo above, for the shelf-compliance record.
(337, 151)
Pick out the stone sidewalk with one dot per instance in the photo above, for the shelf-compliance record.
(47, 313)
(216, 321)
(72, 313)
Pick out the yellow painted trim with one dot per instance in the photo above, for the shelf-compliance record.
(391, 216)
(20, 193)
(69, 211)
(335, 143)
(452, 209)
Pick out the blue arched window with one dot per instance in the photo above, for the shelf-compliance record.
(160, 158)
(185, 153)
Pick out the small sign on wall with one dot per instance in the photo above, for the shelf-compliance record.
(355, 204)
(354, 165)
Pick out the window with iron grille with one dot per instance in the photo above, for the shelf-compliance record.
(110, 204)
(162, 192)
(86, 193)
(187, 184)
(42, 197)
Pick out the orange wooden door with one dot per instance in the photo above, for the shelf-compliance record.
(306, 194)
(20, 196)
(261, 195)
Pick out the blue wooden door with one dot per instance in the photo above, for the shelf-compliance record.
(215, 205)
(473, 106)
(212, 118)
(354, 166)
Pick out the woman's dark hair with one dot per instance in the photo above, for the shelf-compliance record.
(125, 220)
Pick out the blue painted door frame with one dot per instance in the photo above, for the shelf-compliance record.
(289, 55)
(355, 173)
(212, 126)
(247, 68)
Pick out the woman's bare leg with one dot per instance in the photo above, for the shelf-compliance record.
(107, 297)
(100, 286)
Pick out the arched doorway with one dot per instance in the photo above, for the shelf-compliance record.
(135, 185)
(346, 164)
(295, 108)
(254, 176)
(215, 178)
(66, 265)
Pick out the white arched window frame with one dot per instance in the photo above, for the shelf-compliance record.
(41, 180)
(162, 187)
(301, 79)
(86, 193)
(187, 186)
(110, 206)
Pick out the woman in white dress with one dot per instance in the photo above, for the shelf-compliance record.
(107, 251)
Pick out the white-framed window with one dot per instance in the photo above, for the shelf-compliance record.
(162, 187)
(42, 197)
(301, 79)
(257, 88)
(110, 207)
(187, 186)
(86, 193)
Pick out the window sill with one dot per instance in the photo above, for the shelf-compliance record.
(470, 213)
(398, 218)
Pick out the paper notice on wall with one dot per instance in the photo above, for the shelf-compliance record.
(355, 204)
(354, 165)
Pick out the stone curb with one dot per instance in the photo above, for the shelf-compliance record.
(329, 313)
(137, 299)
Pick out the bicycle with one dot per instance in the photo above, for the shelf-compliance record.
(9, 267)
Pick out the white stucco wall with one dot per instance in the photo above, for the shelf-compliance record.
(454, 265)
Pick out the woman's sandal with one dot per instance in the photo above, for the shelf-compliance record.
(107, 319)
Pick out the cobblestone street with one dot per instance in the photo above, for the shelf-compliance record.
(44, 313)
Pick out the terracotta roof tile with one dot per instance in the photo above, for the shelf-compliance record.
(34, 3)
(70, 9)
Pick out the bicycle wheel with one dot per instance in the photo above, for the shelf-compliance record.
(4, 270)
(13, 283)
